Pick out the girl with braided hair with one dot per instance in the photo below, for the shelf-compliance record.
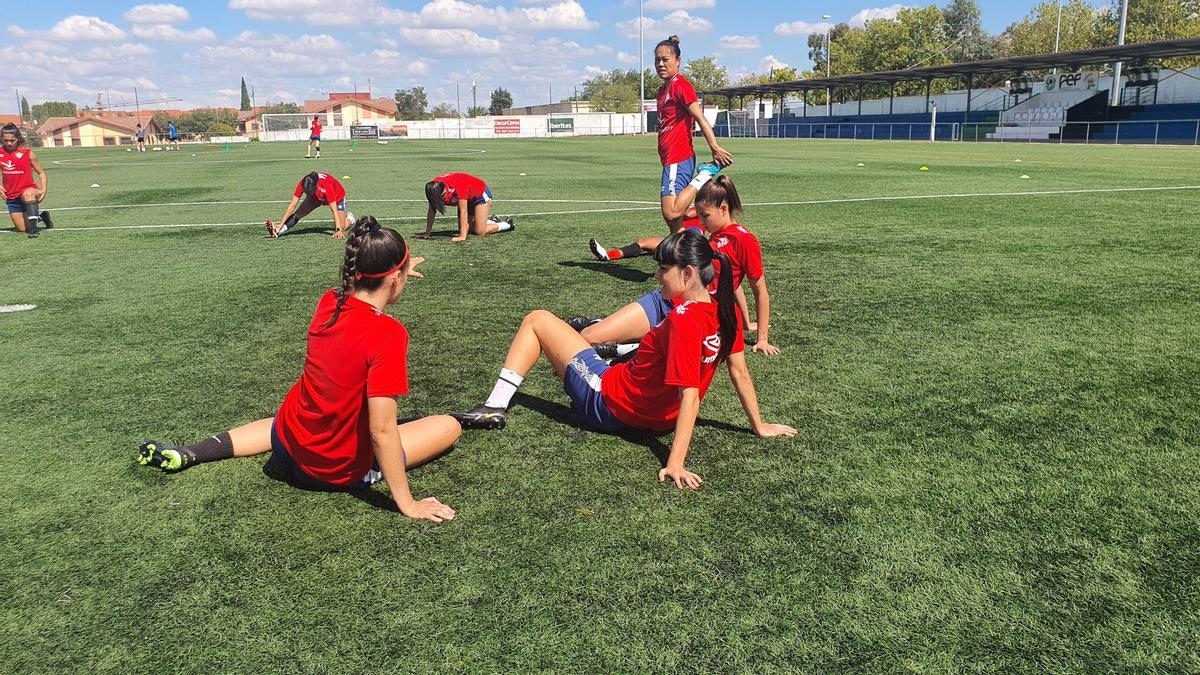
(660, 389)
(336, 429)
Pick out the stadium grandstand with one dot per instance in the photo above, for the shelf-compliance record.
(1059, 97)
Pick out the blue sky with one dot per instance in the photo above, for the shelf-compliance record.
(291, 50)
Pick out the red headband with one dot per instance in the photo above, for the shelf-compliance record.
(380, 275)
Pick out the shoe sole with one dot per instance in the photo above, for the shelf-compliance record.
(148, 455)
(482, 423)
(592, 246)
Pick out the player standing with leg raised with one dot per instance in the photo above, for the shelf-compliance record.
(314, 138)
(18, 165)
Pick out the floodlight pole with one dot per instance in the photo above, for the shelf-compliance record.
(828, 64)
(642, 70)
(1115, 94)
(1057, 30)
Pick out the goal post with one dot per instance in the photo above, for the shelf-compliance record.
(296, 126)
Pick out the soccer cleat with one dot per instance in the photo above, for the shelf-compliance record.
(580, 322)
(597, 250)
(512, 224)
(709, 168)
(482, 417)
(170, 458)
(272, 230)
(606, 350)
(46, 222)
(31, 228)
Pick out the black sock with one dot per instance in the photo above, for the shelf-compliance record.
(631, 251)
(291, 221)
(31, 213)
(213, 448)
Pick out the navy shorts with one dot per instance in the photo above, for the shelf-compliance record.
(281, 455)
(314, 138)
(581, 381)
(15, 205)
(487, 197)
(656, 306)
(675, 177)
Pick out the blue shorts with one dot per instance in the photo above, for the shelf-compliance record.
(581, 381)
(655, 306)
(173, 137)
(306, 481)
(675, 177)
(314, 138)
(487, 197)
(15, 205)
(698, 229)
(341, 205)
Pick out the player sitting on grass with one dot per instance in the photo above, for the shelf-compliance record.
(716, 205)
(660, 389)
(336, 429)
(18, 166)
(316, 189)
(473, 199)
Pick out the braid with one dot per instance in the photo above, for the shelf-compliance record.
(350, 265)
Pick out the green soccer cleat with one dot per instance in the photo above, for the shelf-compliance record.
(169, 458)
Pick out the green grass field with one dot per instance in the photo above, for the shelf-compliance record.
(996, 470)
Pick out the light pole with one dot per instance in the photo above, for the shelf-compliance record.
(642, 69)
(1115, 95)
(1057, 30)
(828, 63)
(474, 104)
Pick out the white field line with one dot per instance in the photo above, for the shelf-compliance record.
(117, 161)
(851, 200)
(348, 201)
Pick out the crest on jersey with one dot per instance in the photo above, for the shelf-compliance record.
(712, 348)
(721, 242)
(682, 308)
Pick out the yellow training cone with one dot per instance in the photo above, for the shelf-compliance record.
(1024, 176)
(345, 177)
(924, 168)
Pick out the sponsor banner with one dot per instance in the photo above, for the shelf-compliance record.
(1081, 81)
(562, 125)
(650, 106)
(506, 126)
(363, 132)
(394, 131)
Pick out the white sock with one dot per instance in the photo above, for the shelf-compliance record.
(503, 227)
(624, 349)
(505, 387)
(281, 229)
(700, 179)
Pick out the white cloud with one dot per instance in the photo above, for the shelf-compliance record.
(129, 50)
(666, 5)
(395, 60)
(457, 14)
(88, 28)
(769, 62)
(627, 58)
(451, 41)
(568, 15)
(735, 42)
(138, 82)
(859, 20)
(157, 14)
(167, 33)
(320, 13)
(802, 28)
(677, 22)
(594, 70)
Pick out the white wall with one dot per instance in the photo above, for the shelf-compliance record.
(531, 126)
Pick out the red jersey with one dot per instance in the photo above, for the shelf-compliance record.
(679, 352)
(323, 421)
(17, 170)
(745, 254)
(329, 190)
(316, 128)
(461, 186)
(674, 120)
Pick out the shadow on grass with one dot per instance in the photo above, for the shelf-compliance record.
(438, 233)
(301, 231)
(619, 271)
(275, 471)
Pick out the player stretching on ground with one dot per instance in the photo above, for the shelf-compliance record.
(336, 429)
(474, 200)
(716, 205)
(317, 189)
(314, 138)
(678, 106)
(661, 388)
(18, 166)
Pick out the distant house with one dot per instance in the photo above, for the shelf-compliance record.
(90, 129)
(249, 122)
(353, 107)
(12, 119)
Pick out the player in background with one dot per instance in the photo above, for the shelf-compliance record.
(678, 106)
(18, 166)
(317, 189)
(172, 137)
(661, 388)
(141, 138)
(717, 204)
(474, 201)
(314, 138)
(336, 429)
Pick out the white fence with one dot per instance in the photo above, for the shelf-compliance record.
(508, 126)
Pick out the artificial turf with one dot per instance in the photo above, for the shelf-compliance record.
(996, 470)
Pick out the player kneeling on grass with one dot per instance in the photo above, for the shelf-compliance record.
(336, 429)
(317, 189)
(473, 199)
(660, 389)
(18, 165)
(717, 203)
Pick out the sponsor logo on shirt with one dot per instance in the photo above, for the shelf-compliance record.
(8, 166)
(721, 242)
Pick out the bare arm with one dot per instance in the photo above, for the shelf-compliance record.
(339, 222)
(739, 374)
(41, 175)
(719, 154)
(430, 215)
(288, 211)
(689, 409)
(389, 453)
(762, 312)
(740, 296)
(463, 221)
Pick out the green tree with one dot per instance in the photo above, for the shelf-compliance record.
(411, 104)
(501, 99)
(817, 52)
(476, 111)
(964, 22)
(705, 74)
(221, 129)
(282, 108)
(245, 96)
(617, 90)
(26, 114)
(1035, 33)
(43, 111)
(915, 37)
(1151, 21)
(443, 110)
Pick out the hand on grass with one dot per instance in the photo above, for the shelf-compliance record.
(412, 267)
(458, 239)
(428, 509)
(681, 477)
(338, 234)
(765, 347)
(769, 430)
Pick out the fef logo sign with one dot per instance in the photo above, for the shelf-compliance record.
(1081, 81)
(562, 125)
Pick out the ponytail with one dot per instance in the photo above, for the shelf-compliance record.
(671, 43)
(435, 194)
(371, 253)
(686, 248)
(727, 310)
